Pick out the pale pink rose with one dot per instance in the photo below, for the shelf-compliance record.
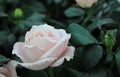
(44, 46)
(86, 3)
(9, 70)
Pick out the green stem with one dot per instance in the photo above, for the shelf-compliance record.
(88, 12)
(50, 71)
(109, 49)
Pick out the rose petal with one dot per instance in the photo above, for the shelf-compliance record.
(57, 50)
(1, 75)
(27, 53)
(39, 65)
(62, 32)
(43, 43)
(4, 71)
(41, 30)
(12, 68)
(19, 51)
(68, 55)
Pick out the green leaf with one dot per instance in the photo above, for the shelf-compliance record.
(80, 36)
(73, 12)
(57, 1)
(35, 19)
(31, 73)
(109, 72)
(118, 1)
(2, 14)
(92, 55)
(3, 34)
(109, 58)
(98, 73)
(118, 38)
(69, 72)
(117, 58)
(3, 60)
(12, 1)
(37, 7)
(11, 39)
(99, 22)
(37, 74)
(36, 16)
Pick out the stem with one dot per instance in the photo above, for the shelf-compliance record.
(88, 12)
(50, 71)
(109, 49)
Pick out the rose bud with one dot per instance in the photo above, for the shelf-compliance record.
(85, 3)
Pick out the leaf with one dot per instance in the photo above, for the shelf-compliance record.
(11, 39)
(117, 38)
(73, 12)
(99, 23)
(37, 74)
(37, 7)
(69, 72)
(2, 14)
(23, 72)
(117, 59)
(98, 73)
(35, 19)
(80, 36)
(92, 55)
(36, 16)
(58, 1)
(109, 72)
(3, 34)
(109, 58)
(3, 60)
(118, 1)
(12, 1)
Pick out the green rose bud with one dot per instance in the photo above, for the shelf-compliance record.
(109, 41)
(18, 13)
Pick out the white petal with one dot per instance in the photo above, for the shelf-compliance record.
(1, 75)
(19, 51)
(12, 68)
(39, 65)
(57, 50)
(68, 55)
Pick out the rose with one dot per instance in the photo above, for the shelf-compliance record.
(8, 70)
(86, 3)
(44, 46)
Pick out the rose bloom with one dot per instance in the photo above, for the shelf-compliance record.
(8, 70)
(44, 46)
(86, 3)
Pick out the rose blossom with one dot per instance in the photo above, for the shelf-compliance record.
(44, 46)
(86, 3)
(8, 70)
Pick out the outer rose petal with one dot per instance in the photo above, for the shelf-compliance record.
(12, 68)
(9, 70)
(27, 53)
(4, 71)
(68, 55)
(19, 51)
(1, 75)
(39, 65)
